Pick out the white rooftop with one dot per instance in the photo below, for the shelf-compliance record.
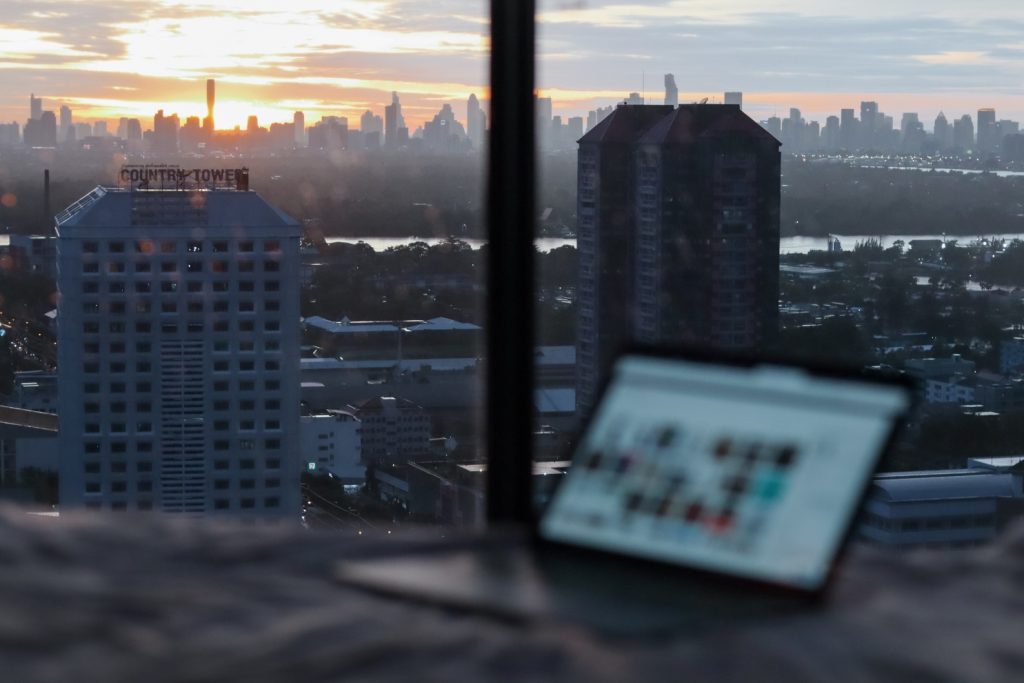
(555, 355)
(944, 485)
(441, 325)
(412, 365)
(346, 326)
(555, 400)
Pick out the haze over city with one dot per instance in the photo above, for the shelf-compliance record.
(341, 58)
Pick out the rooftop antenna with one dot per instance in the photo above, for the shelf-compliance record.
(704, 101)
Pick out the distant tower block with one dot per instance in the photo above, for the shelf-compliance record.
(734, 98)
(671, 91)
(211, 100)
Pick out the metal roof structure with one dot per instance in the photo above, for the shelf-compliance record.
(115, 207)
(944, 485)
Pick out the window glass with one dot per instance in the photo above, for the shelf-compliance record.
(776, 200)
(353, 228)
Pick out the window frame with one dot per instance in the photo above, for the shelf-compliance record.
(511, 230)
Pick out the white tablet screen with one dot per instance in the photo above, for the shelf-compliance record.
(754, 472)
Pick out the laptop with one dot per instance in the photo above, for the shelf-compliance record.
(703, 491)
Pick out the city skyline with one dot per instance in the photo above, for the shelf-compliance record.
(38, 104)
(130, 61)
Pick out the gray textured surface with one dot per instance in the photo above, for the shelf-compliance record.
(107, 601)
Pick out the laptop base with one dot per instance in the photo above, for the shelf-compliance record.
(512, 581)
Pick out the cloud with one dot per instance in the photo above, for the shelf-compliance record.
(343, 55)
(953, 57)
(21, 44)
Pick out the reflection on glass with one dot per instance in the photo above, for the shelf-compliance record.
(268, 253)
(767, 201)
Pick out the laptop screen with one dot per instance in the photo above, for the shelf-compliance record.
(754, 472)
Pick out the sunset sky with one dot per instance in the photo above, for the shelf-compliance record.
(272, 57)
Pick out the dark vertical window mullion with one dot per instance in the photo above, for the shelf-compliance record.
(510, 226)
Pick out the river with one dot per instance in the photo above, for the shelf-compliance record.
(797, 244)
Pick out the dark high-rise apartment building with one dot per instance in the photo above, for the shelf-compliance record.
(671, 91)
(678, 233)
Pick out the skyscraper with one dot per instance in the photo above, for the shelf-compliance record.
(574, 128)
(678, 233)
(178, 349)
(671, 91)
(474, 122)
(370, 123)
(943, 138)
(211, 100)
(847, 130)
(734, 97)
(544, 110)
(165, 133)
(393, 121)
(65, 123)
(35, 107)
(830, 134)
(869, 123)
(443, 132)
(988, 131)
(963, 133)
(133, 130)
(191, 135)
(299, 128)
(41, 132)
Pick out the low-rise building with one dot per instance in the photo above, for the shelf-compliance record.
(384, 339)
(944, 508)
(34, 390)
(955, 389)
(1011, 356)
(331, 443)
(940, 368)
(395, 431)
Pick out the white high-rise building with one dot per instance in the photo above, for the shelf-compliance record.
(178, 349)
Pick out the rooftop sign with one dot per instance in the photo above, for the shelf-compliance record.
(173, 177)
